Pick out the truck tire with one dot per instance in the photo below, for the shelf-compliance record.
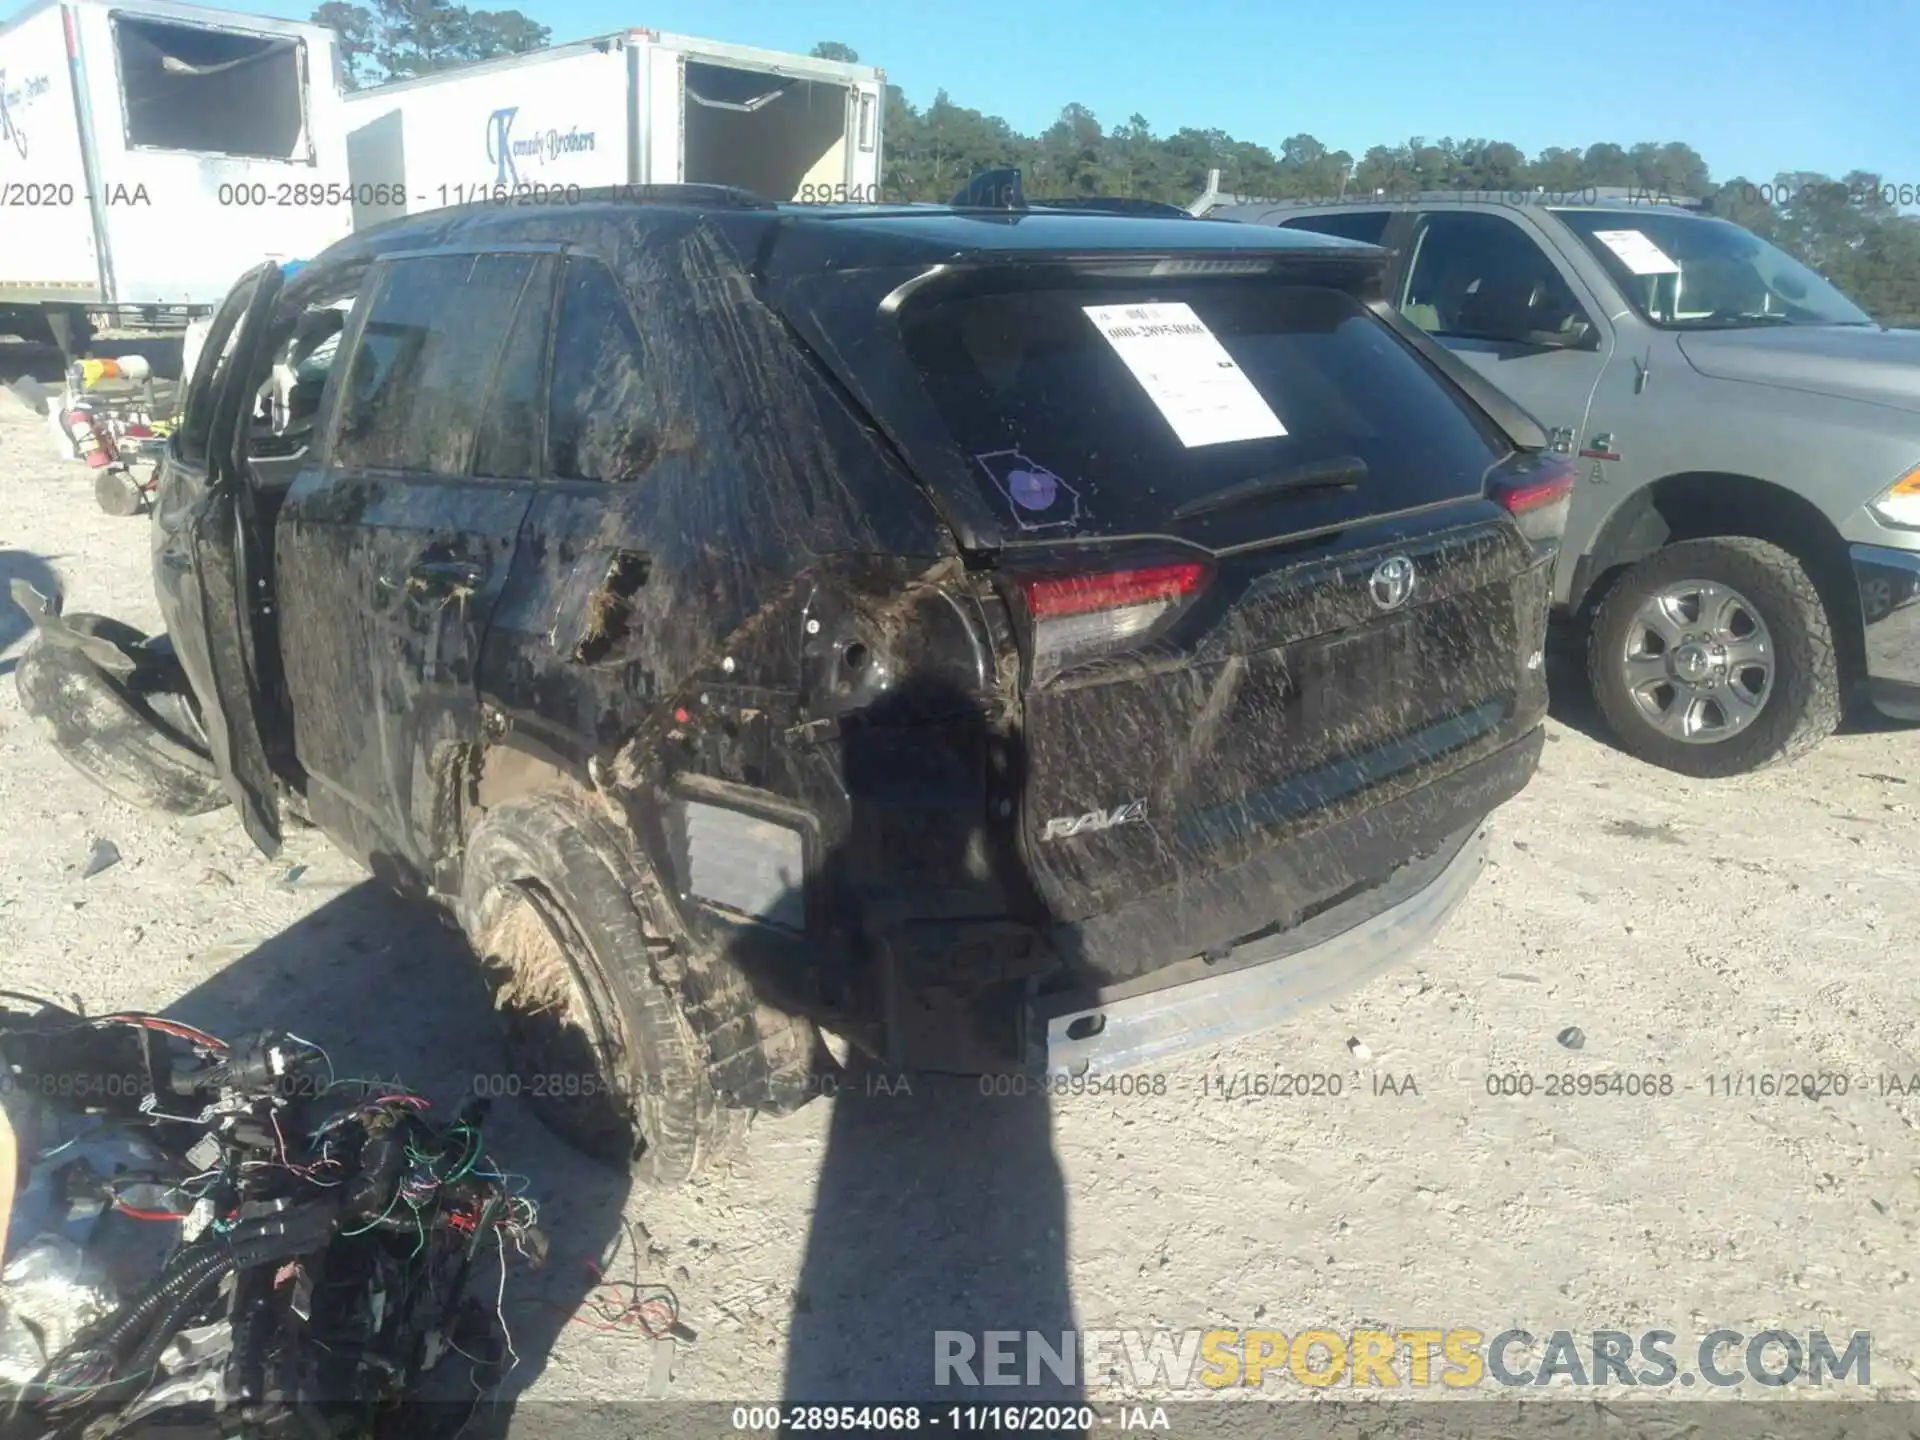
(136, 739)
(628, 1041)
(1715, 658)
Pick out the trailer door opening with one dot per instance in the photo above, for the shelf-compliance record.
(185, 87)
(770, 134)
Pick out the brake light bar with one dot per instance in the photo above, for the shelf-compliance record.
(1537, 491)
(1078, 617)
(1051, 597)
(1523, 498)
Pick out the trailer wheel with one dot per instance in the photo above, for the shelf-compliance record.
(618, 1029)
(139, 740)
(117, 492)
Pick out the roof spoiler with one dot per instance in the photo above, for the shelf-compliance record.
(1209, 197)
(1003, 190)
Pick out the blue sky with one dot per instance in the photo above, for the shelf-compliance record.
(1758, 86)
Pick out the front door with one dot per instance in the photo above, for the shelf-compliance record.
(209, 551)
(393, 550)
(1486, 288)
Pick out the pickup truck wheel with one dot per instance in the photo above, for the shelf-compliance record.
(1715, 658)
(617, 1028)
(137, 739)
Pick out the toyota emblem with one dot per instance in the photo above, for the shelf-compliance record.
(1392, 582)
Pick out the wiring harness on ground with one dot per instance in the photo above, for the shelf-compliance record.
(326, 1232)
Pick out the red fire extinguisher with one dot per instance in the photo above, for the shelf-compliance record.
(89, 437)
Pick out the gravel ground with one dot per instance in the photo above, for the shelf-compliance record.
(1686, 929)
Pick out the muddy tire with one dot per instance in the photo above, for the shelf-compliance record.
(136, 738)
(629, 1044)
(1753, 683)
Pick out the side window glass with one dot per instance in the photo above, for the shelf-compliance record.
(601, 422)
(306, 345)
(1366, 226)
(415, 392)
(1480, 277)
(508, 446)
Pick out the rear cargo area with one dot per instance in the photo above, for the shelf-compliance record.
(770, 134)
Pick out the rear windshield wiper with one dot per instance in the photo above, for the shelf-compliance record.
(1342, 472)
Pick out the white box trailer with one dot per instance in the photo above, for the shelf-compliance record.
(152, 153)
(635, 108)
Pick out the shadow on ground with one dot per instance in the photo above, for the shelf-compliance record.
(940, 1213)
(15, 626)
(389, 991)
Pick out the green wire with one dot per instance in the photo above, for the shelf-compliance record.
(377, 1219)
(472, 1156)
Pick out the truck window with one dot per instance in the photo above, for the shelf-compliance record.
(186, 87)
(1366, 226)
(1480, 277)
(601, 419)
(416, 386)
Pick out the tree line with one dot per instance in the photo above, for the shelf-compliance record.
(1850, 229)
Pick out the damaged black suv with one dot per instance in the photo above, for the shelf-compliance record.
(1016, 639)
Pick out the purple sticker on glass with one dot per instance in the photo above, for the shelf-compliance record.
(1033, 489)
(1036, 498)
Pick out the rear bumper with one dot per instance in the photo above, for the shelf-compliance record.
(1889, 586)
(1258, 984)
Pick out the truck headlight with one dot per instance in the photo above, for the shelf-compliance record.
(1899, 504)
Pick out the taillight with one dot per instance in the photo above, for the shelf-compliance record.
(1537, 490)
(1076, 617)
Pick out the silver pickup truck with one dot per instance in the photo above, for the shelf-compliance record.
(1744, 545)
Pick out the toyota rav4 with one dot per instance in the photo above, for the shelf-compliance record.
(1016, 639)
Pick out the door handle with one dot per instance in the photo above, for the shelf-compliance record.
(430, 579)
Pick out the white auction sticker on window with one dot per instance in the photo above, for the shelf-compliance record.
(1186, 371)
(1637, 252)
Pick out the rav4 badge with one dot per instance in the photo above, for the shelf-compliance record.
(1062, 827)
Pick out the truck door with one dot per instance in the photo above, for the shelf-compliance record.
(209, 552)
(1487, 289)
(393, 550)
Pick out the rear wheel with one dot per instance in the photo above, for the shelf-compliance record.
(138, 737)
(616, 1026)
(1714, 658)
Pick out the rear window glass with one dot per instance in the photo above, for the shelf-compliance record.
(1067, 438)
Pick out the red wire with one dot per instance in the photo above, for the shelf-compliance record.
(169, 1027)
(134, 1214)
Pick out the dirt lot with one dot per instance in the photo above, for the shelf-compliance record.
(1690, 930)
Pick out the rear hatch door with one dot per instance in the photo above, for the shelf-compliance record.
(1250, 553)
